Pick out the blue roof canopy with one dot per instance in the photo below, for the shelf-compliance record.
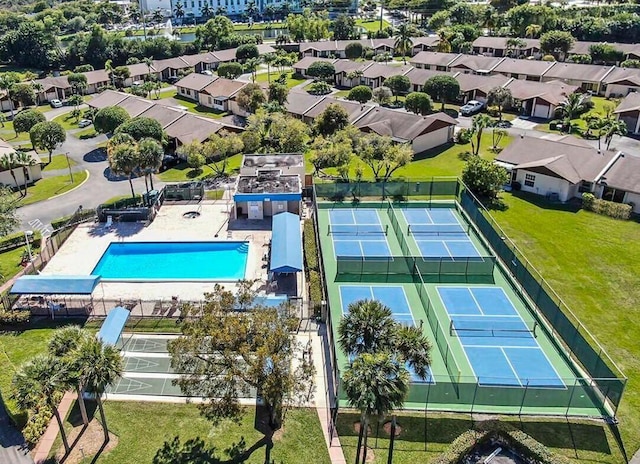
(113, 325)
(286, 244)
(55, 285)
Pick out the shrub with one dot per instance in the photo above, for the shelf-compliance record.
(319, 88)
(463, 136)
(360, 93)
(606, 208)
(493, 111)
(553, 125)
(315, 287)
(61, 221)
(12, 317)
(310, 246)
(13, 241)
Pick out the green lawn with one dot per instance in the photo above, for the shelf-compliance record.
(46, 188)
(7, 133)
(144, 428)
(10, 263)
(593, 263)
(86, 133)
(58, 162)
(17, 347)
(601, 107)
(593, 441)
(372, 25)
(182, 172)
(442, 161)
(67, 122)
(291, 81)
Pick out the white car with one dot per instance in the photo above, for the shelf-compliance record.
(55, 103)
(85, 123)
(471, 107)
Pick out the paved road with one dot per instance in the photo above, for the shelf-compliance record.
(13, 449)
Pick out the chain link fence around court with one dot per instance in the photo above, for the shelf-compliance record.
(603, 382)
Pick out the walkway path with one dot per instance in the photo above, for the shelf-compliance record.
(13, 448)
(41, 453)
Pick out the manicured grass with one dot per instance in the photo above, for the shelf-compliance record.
(52, 186)
(195, 107)
(144, 428)
(593, 264)
(7, 133)
(260, 26)
(58, 162)
(182, 172)
(86, 133)
(67, 121)
(580, 441)
(291, 81)
(372, 25)
(214, 194)
(10, 263)
(442, 161)
(18, 346)
(601, 107)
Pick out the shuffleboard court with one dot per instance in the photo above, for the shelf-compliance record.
(500, 346)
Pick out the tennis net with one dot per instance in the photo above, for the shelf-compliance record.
(437, 229)
(480, 328)
(357, 229)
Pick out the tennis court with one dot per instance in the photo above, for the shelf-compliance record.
(358, 232)
(438, 233)
(391, 296)
(500, 346)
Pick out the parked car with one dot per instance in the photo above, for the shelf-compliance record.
(85, 123)
(55, 103)
(471, 107)
(207, 72)
(168, 161)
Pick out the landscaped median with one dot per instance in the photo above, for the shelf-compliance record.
(49, 187)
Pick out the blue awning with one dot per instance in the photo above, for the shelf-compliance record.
(113, 325)
(55, 285)
(286, 244)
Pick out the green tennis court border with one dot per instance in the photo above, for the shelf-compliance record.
(463, 394)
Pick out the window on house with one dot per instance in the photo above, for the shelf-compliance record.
(529, 180)
(584, 186)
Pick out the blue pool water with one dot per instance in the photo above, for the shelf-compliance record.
(173, 261)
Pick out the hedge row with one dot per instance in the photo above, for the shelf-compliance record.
(14, 317)
(13, 241)
(502, 434)
(84, 214)
(310, 246)
(606, 208)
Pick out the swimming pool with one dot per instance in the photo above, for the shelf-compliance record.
(173, 261)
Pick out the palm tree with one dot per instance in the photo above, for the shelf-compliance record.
(444, 45)
(251, 65)
(207, 11)
(8, 162)
(157, 16)
(571, 107)
(123, 160)
(150, 155)
(375, 384)
(369, 335)
(269, 59)
(513, 43)
(403, 42)
(221, 11)
(478, 124)
(533, 30)
(179, 10)
(41, 379)
(7, 80)
(149, 62)
(251, 9)
(108, 67)
(25, 160)
(62, 344)
(37, 88)
(614, 127)
(99, 366)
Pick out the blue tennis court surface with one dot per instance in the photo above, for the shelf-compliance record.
(392, 297)
(500, 346)
(439, 234)
(358, 232)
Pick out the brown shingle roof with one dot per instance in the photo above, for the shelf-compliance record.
(433, 58)
(195, 81)
(629, 103)
(107, 98)
(549, 92)
(191, 127)
(355, 110)
(578, 72)
(384, 70)
(307, 61)
(400, 125)
(470, 82)
(419, 76)
(347, 66)
(225, 88)
(624, 174)
(97, 76)
(163, 114)
(500, 43)
(528, 67)
(299, 102)
(570, 161)
(476, 63)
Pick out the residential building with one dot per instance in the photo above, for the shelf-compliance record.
(220, 95)
(474, 64)
(192, 84)
(499, 47)
(477, 87)
(538, 99)
(629, 111)
(435, 61)
(529, 70)
(588, 77)
(375, 74)
(23, 174)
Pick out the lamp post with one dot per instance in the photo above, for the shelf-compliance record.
(27, 234)
(69, 166)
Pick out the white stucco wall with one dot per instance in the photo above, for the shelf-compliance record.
(35, 173)
(544, 185)
(432, 139)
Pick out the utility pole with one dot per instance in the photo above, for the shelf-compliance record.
(69, 166)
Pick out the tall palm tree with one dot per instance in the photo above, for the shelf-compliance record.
(369, 335)
(8, 162)
(614, 127)
(99, 366)
(123, 160)
(62, 345)
(251, 65)
(206, 11)
(375, 384)
(149, 62)
(41, 379)
(108, 67)
(269, 59)
(179, 10)
(403, 42)
(478, 124)
(444, 44)
(25, 160)
(7, 80)
(37, 88)
(150, 155)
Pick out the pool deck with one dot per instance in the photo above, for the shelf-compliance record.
(84, 248)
